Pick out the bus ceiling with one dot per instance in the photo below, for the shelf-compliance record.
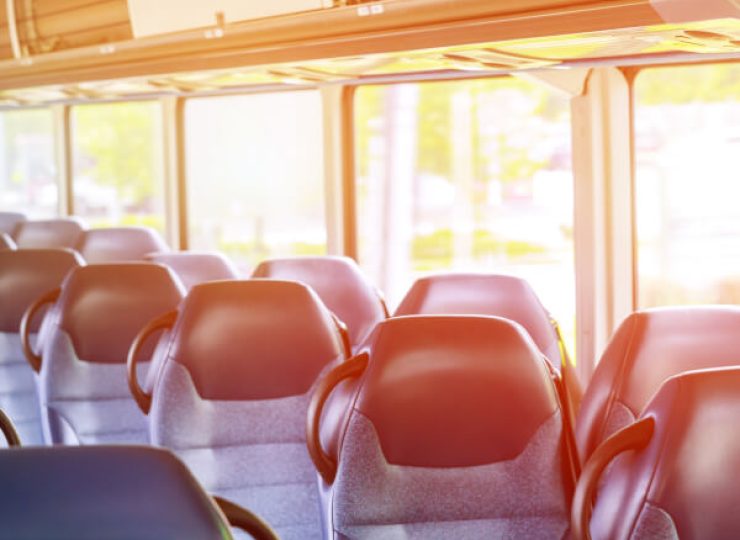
(78, 51)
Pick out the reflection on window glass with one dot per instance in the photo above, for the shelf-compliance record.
(118, 178)
(27, 169)
(255, 175)
(467, 176)
(687, 122)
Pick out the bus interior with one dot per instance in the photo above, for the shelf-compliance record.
(347, 269)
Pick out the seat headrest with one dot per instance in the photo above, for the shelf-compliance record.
(339, 283)
(484, 294)
(119, 244)
(48, 233)
(104, 306)
(454, 391)
(649, 347)
(194, 268)
(6, 242)
(9, 220)
(254, 339)
(25, 275)
(91, 492)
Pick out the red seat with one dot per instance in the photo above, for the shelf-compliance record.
(502, 296)
(101, 308)
(340, 284)
(649, 347)
(25, 275)
(119, 244)
(456, 431)
(672, 474)
(48, 233)
(193, 268)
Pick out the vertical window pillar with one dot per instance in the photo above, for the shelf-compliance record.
(63, 157)
(173, 130)
(602, 157)
(338, 128)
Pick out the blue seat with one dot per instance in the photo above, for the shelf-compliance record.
(83, 385)
(111, 492)
(24, 276)
(456, 431)
(48, 233)
(231, 397)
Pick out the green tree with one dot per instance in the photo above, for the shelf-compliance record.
(118, 145)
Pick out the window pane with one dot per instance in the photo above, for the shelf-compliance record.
(687, 123)
(255, 175)
(467, 176)
(27, 168)
(118, 178)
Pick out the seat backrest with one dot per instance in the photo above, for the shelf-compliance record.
(99, 313)
(340, 284)
(48, 233)
(231, 397)
(456, 428)
(25, 275)
(684, 482)
(6, 242)
(194, 268)
(484, 294)
(9, 220)
(119, 244)
(103, 492)
(649, 347)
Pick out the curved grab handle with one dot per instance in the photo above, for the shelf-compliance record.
(25, 329)
(247, 521)
(8, 429)
(166, 321)
(633, 437)
(346, 343)
(383, 303)
(324, 463)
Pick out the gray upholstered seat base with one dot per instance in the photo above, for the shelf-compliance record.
(519, 498)
(18, 392)
(251, 452)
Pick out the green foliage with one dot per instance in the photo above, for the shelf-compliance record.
(118, 145)
(435, 251)
(711, 83)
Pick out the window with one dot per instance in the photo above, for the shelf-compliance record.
(255, 175)
(118, 177)
(28, 181)
(467, 176)
(687, 122)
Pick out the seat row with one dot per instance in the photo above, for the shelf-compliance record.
(436, 426)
